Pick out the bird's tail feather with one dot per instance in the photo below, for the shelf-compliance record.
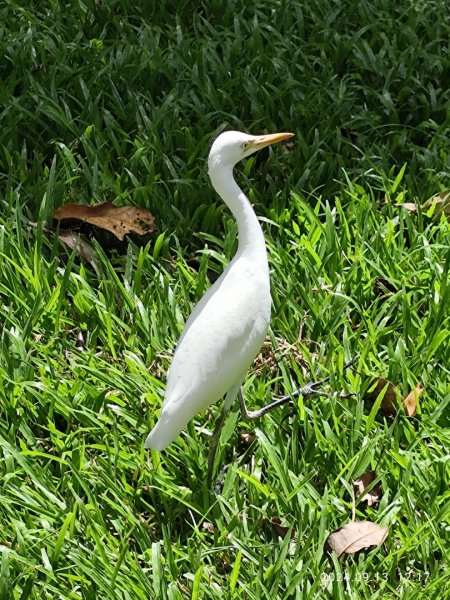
(166, 430)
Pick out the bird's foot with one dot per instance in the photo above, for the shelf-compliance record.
(310, 389)
(306, 391)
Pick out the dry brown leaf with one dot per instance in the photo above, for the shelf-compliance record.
(410, 402)
(362, 483)
(391, 399)
(383, 287)
(438, 204)
(389, 402)
(113, 393)
(119, 220)
(80, 341)
(280, 530)
(247, 438)
(409, 206)
(76, 241)
(355, 536)
(208, 527)
(72, 239)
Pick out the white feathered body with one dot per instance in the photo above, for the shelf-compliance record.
(219, 342)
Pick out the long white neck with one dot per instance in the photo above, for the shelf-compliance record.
(251, 238)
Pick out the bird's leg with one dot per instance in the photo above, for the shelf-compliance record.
(305, 391)
(310, 389)
(214, 442)
(229, 399)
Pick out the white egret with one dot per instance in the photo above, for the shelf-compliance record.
(227, 327)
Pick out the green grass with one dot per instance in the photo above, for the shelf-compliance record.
(106, 101)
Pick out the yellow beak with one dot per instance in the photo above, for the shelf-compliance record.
(271, 138)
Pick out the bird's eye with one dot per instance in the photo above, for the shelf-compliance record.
(244, 146)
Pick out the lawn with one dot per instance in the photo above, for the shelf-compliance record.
(120, 101)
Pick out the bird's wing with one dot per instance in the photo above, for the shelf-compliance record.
(198, 308)
(221, 339)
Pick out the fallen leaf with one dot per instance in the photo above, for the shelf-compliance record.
(119, 220)
(438, 204)
(392, 398)
(72, 239)
(247, 438)
(410, 402)
(80, 341)
(363, 482)
(409, 206)
(383, 287)
(355, 536)
(280, 530)
(389, 402)
(113, 393)
(208, 527)
(76, 241)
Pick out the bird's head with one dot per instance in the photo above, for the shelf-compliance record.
(232, 146)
